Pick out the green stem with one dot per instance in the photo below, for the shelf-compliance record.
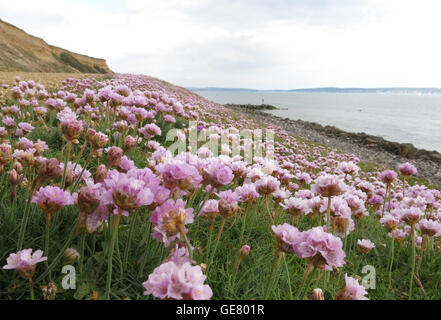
(306, 274)
(384, 200)
(287, 275)
(82, 244)
(110, 258)
(46, 243)
(274, 267)
(23, 225)
(243, 224)
(328, 214)
(59, 256)
(129, 239)
(216, 242)
(31, 289)
(144, 261)
(210, 239)
(190, 251)
(203, 203)
(412, 230)
(63, 180)
(391, 262)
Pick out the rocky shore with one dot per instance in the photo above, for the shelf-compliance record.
(252, 106)
(367, 147)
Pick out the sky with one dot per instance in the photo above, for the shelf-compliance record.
(260, 44)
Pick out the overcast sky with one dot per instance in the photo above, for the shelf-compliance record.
(262, 44)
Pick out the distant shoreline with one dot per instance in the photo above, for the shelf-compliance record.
(391, 90)
(365, 146)
(253, 106)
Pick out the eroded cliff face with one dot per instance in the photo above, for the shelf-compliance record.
(20, 51)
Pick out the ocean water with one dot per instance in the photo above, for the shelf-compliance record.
(405, 118)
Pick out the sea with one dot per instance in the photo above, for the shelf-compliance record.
(404, 118)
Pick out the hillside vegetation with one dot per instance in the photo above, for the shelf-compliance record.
(19, 51)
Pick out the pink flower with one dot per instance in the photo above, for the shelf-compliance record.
(328, 185)
(52, 199)
(26, 127)
(170, 119)
(8, 121)
(352, 291)
(178, 174)
(228, 206)
(296, 206)
(387, 176)
(411, 216)
(267, 185)
(389, 222)
(429, 227)
(217, 174)
(150, 130)
(169, 220)
(211, 208)
(347, 167)
(365, 245)
(173, 281)
(128, 193)
(287, 237)
(24, 261)
(407, 169)
(322, 249)
(247, 192)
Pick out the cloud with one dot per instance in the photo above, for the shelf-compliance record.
(247, 43)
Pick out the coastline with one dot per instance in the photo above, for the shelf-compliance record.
(367, 147)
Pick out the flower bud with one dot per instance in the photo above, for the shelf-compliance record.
(87, 200)
(5, 153)
(244, 251)
(100, 173)
(72, 130)
(18, 166)
(71, 255)
(49, 169)
(114, 155)
(128, 143)
(317, 294)
(99, 140)
(14, 177)
(90, 133)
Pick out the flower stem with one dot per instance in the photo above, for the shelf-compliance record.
(275, 266)
(288, 277)
(412, 231)
(306, 274)
(384, 200)
(82, 244)
(210, 239)
(46, 243)
(112, 247)
(69, 147)
(31, 289)
(391, 262)
(216, 242)
(328, 214)
(59, 256)
(129, 239)
(82, 171)
(190, 251)
(24, 223)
